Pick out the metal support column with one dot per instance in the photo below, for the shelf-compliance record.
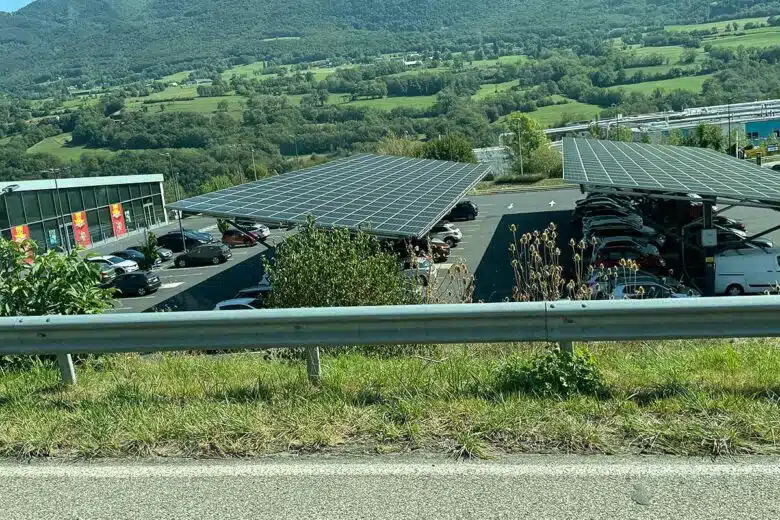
(181, 230)
(709, 251)
(313, 368)
(566, 347)
(68, 373)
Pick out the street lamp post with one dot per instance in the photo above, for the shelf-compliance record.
(173, 177)
(254, 166)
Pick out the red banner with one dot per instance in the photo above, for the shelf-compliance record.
(19, 234)
(81, 229)
(117, 219)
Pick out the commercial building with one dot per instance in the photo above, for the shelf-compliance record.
(62, 213)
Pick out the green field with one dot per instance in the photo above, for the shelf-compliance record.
(512, 58)
(765, 37)
(692, 83)
(200, 105)
(244, 70)
(672, 52)
(720, 25)
(390, 103)
(57, 146)
(573, 111)
(490, 89)
(176, 77)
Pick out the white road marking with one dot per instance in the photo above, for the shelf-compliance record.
(171, 285)
(552, 203)
(511, 205)
(442, 267)
(176, 275)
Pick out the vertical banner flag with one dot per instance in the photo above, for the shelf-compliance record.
(81, 229)
(19, 234)
(118, 219)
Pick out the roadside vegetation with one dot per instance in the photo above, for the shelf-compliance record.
(679, 397)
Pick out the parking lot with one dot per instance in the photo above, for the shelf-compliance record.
(484, 249)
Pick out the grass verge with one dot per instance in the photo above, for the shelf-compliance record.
(678, 397)
(490, 187)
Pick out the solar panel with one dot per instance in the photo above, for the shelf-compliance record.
(386, 195)
(667, 169)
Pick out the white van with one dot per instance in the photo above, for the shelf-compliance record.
(747, 271)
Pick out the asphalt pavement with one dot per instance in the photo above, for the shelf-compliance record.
(537, 487)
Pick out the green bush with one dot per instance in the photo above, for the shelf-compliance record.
(552, 373)
(520, 179)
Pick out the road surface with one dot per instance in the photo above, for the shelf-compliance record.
(378, 488)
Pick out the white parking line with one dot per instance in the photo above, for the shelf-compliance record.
(176, 275)
(171, 285)
(443, 267)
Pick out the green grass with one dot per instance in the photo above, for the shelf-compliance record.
(390, 103)
(490, 89)
(720, 25)
(244, 70)
(513, 58)
(672, 52)
(176, 77)
(574, 111)
(682, 397)
(58, 146)
(200, 105)
(692, 83)
(758, 38)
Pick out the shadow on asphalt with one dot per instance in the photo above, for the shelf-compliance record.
(494, 278)
(222, 286)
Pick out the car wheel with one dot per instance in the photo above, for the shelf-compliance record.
(734, 290)
(472, 216)
(119, 270)
(181, 262)
(216, 260)
(450, 241)
(141, 291)
(248, 243)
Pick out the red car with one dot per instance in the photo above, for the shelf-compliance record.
(234, 237)
(611, 257)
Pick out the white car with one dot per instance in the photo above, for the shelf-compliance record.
(260, 230)
(240, 304)
(419, 269)
(447, 232)
(120, 265)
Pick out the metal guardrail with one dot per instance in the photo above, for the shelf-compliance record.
(561, 321)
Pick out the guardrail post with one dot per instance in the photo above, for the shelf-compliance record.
(566, 346)
(313, 364)
(67, 371)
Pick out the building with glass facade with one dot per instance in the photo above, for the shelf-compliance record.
(62, 213)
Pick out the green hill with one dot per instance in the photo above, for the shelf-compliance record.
(54, 43)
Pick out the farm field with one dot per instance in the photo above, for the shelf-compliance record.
(719, 25)
(390, 103)
(513, 58)
(176, 77)
(490, 89)
(57, 146)
(765, 37)
(692, 83)
(200, 105)
(573, 111)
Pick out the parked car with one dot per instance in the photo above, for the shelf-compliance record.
(255, 292)
(164, 253)
(592, 224)
(138, 283)
(439, 250)
(260, 230)
(747, 271)
(463, 210)
(638, 244)
(173, 240)
(240, 304)
(120, 265)
(419, 269)
(645, 233)
(234, 237)
(107, 276)
(136, 256)
(447, 233)
(651, 290)
(611, 257)
(204, 254)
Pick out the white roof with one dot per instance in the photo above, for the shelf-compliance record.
(81, 182)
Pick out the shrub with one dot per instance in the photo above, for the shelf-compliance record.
(149, 250)
(551, 373)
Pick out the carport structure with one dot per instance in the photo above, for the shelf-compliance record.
(388, 196)
(673, 173)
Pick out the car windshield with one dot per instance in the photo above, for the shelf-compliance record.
(114, 259)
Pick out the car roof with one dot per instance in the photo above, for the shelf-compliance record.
(237, 301)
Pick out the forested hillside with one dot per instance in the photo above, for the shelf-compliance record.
(114, 41)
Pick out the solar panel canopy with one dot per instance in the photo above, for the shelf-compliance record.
(667, 169)
(385, 195)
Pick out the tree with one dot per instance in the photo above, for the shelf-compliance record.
(546, 161)
(113, 104)
(335, 268)
(688, 56)
(453, 147)
(479, 54)
(402, 146)
(223, 106)
(530, 133)
(54, 283)
(149, 250)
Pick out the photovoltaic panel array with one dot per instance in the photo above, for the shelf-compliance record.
(667, 169)
(386, 195)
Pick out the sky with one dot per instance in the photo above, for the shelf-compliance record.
(12, 5)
